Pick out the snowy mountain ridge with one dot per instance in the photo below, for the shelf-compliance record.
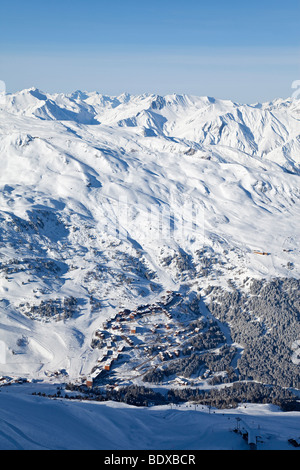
(268, 129)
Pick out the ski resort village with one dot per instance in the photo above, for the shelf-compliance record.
(134, 342)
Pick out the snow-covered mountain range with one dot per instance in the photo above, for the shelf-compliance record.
(109, 202)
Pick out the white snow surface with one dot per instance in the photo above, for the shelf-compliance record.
(38, 423)
(89, 184)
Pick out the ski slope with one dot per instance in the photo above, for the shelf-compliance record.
(75, 425)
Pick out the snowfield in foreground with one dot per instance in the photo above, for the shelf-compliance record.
(31, 422)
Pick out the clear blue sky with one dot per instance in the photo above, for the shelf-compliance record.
(228, 49)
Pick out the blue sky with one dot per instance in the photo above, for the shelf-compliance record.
(234, 50)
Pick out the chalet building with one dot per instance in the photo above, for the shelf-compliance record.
(89, 382)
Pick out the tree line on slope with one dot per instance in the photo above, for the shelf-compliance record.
(229, 396)
(266, 323)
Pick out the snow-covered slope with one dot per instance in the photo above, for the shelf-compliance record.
(101, 198)
(65, 425)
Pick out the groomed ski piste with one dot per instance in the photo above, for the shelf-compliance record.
(38, 423)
